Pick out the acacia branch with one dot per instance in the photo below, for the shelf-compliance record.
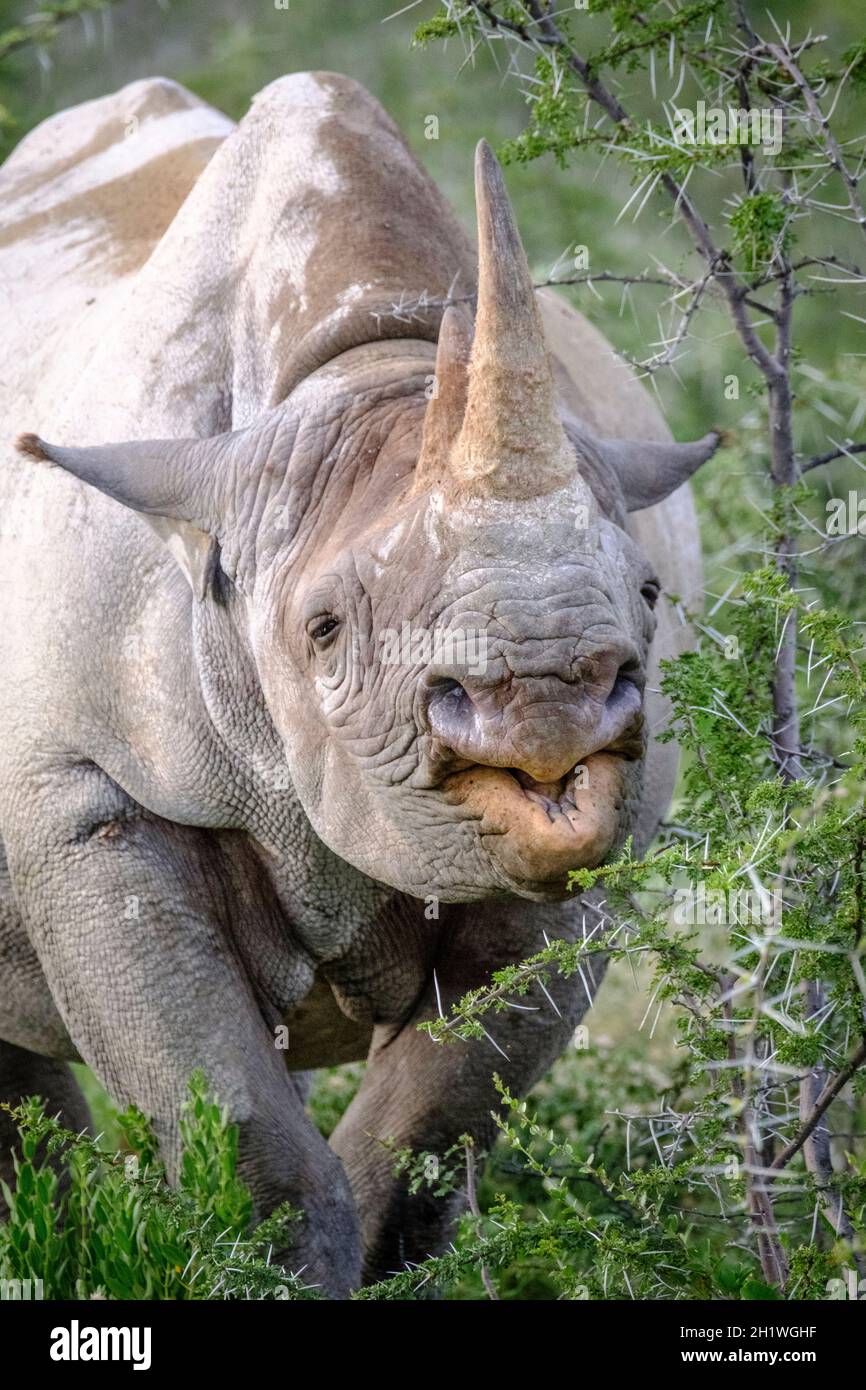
(590, 277)
(759, 1200)
(832, 262)
(820, 459)
(663, 359)
(734, 289)
(825, 1098)
(816, 1149)
(785, 59)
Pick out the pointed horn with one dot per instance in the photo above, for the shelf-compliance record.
(444, 415)
(512, 443)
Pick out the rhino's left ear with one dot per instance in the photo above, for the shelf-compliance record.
(649, 471)
(181, 487)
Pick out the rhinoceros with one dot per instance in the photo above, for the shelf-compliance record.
(330, 554)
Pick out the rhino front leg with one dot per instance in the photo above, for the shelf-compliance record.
(131, 916)
(426, 1095)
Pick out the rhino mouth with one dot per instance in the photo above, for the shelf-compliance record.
(555, 798)
(536, 832)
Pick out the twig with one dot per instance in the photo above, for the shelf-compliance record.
(820, 459)
(472, 1201)
(785, 59)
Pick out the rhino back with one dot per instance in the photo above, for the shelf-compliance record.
(310, 222)
(84, 198)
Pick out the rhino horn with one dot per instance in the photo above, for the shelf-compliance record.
(512, 443)
(444, 415)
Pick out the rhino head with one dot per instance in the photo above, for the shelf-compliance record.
(447, 619)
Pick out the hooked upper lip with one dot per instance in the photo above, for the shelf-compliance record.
(556, 795)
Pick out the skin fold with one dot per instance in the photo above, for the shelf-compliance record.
(224, 806)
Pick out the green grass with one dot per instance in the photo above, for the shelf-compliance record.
(92, 1221)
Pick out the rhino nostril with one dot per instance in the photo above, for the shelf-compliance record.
(630, 670)
(624, 701)
(543, 727)
(448, 704)
(445, 692)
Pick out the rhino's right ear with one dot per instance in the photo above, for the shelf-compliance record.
(180, 486)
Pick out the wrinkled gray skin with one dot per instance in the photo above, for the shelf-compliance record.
(221, 812)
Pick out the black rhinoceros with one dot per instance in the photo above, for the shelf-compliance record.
(316, 687)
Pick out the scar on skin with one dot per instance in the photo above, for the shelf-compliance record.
(109, 831)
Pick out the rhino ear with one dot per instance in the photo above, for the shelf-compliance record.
(649, 471)
(178, 486)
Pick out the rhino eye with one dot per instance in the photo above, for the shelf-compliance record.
(323, 627)
(650, 592)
